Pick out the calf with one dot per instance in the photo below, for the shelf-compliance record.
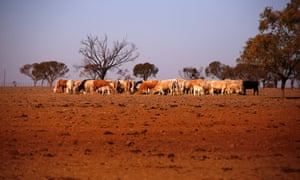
(199, 82)
(198, 90)
(104, 89)
(101, 83)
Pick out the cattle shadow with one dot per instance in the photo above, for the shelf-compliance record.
(290, 97)
(293, 97)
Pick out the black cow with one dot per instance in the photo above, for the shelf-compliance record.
(81, 86)
(250, 85)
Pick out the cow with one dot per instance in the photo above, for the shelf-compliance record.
(126, 86)
(137, 85)
(132, 86)
(104, 89)
(60, 86)
(250, 85)
(76, 85)
(216, 85)
(170, 85)
(199, 82)
(86, 85)
(198, 90)
(186, 87)
(180, 85)
(69, 86)
(115, 84)
(146, 86)
(101, 83)
(233, 86)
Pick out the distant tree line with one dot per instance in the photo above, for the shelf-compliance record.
(272, 55)
(276, 48)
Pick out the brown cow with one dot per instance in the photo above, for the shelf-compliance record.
(217, 85)
(60, 85)
(170, 85)
(126, 86)
(199, 82)
(146, 86)
(101, 83)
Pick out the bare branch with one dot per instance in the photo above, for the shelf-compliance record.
(97, 52)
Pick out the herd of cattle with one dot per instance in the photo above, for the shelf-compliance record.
(197, 87)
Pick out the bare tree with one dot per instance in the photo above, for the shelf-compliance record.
(124, 74)
(99, 58)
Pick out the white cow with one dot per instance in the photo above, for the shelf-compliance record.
(104, 89)
(217, 85)
(70, 85)
(86, 86)
(198, 90)
(234, 86)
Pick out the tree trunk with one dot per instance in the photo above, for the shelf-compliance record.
(103, 73)
(145, 78)
(292, 83)
(275, 83)
(283, 82)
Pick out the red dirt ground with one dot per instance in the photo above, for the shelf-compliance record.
(60, 136)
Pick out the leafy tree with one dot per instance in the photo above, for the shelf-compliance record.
(216, 69)
(52, 70)
(48, 70)
(249, 72)
(28, 70)
(277, 45)
(99, 58)
(145, 70)
(228, 72)
(296, 75)
(191, 73)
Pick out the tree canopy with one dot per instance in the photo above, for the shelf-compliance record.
(216, 69)
(145, 70)
(48, 70)
(99, 58)
(276, 47)
(191, 73)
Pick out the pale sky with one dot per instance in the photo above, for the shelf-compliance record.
(171, 34)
